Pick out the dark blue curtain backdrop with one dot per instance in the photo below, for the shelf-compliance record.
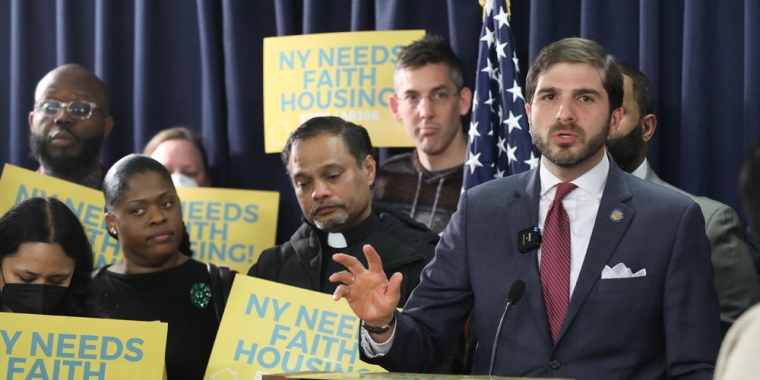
(199, 64)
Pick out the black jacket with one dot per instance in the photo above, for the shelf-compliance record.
(404, 246)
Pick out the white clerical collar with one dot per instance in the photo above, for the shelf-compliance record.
(336, 240)
(641, 171)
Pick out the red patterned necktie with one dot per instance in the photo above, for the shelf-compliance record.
(555, 260)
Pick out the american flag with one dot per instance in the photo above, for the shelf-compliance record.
(498, 140)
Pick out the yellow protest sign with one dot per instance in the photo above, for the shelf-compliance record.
(68, 348)
(229, 227)
(333, 74)
(226, 226)
(18, 184)
(273, 328)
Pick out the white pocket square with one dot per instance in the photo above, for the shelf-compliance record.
(621, 271)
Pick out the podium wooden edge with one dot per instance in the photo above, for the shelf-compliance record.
(324, 375)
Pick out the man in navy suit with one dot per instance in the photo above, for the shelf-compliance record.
(625, 292)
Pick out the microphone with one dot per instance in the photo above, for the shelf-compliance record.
(515, 293)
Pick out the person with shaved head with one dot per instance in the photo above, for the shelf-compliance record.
(69, 121)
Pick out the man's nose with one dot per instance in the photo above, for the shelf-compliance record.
(321, 190)
(426, 108)
(63, 116)
(566, 112)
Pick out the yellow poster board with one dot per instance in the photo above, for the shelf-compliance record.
(229, 227)
(226, 226)
(68, 348)
(273, 328)
(348, 74)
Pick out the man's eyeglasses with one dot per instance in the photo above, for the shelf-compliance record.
(78, 109)
(437, 98)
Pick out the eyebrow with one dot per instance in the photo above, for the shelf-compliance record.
(56, 276)
(580, 91)
(437, 88)
(322, 168)
(167, 192)
(584, 91)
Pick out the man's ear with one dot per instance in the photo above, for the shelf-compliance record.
(370, 166)
(393, 105)
(648, 126)
(107, 125)
(31, 120)
(527, 110)
(465, 100)
(615, 118)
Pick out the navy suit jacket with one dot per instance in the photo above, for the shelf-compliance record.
(661, 326)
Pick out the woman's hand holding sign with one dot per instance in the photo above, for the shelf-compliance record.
(369, 293)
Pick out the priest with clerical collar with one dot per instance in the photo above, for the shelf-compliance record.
(332, 170)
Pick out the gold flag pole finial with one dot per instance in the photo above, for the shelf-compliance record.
(483, 5)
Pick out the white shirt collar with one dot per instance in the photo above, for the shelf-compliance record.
(642, 170)
(592, 181)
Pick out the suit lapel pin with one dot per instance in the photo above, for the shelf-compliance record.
(616, 215)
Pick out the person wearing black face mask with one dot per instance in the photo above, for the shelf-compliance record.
(45, 260)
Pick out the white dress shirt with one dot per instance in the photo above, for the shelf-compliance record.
(642, 170)
(581, 205)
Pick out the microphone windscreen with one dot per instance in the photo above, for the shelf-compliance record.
(516, 291)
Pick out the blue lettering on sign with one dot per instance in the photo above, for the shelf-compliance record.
(84, 346)
(196, 210)
(303, 56)
(118, 348)
(212, 211)
(92, 216)
(275, 357)
(9, 342)
(344, 56)
(250, 353)
(261, 308)
(12, 369)
(327, 321)
(360, 56)
(133, 346)
(303, 315)
(287, 60)
(47, 348)
(65, 342)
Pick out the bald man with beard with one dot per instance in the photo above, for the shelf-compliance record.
(735, 279)
(68, 124)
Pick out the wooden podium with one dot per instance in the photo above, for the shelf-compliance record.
(384, 376)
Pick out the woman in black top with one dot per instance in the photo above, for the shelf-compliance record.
(153, 280)
(45, 260)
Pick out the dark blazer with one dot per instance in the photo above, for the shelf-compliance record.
(735, 276)
(664, 325)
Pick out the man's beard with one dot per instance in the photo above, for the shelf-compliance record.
(566, 159)
(66, 166)
(332, 223)
(626, 149)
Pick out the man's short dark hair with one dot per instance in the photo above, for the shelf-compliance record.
(355, 136)
(578, 50)
(642, 89)
(431, 49)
